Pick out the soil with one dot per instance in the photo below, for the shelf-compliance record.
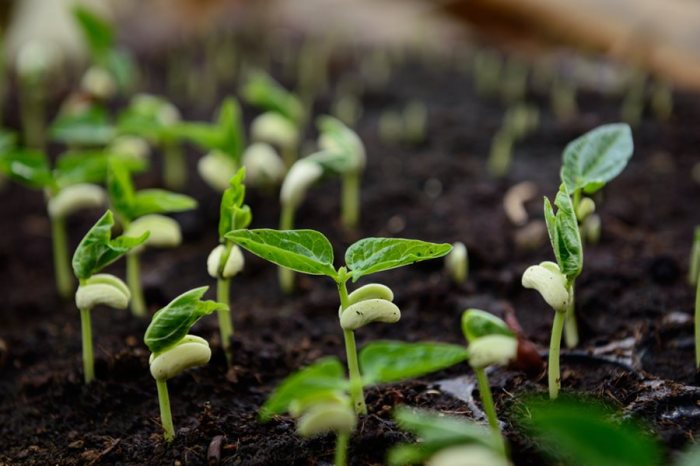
(632, 355)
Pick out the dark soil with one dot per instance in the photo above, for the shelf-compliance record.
(630, 355)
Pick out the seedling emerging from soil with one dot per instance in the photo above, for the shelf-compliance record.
(445, 441)
(172, 349)
(589, 163)
(224, 139)
(280, 125)
(457, 263)
(69, 186)
(141, 211)
(577, 433)
(695, 281)
(308, 251)
(157, 120)
(226, 260)
(555, 282)
(491, 342)
(318, 395)
(96, 251)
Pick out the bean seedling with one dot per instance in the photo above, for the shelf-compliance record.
(457, 263)
(172, 349)
(491, 342)
(445, 441)
(318, 394)
(140, 211)
(226, 260)
(310, 252)
(96, 251)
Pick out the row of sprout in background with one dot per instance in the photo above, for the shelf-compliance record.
(101, 151)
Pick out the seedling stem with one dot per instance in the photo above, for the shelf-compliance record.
(225, 324)
(88, 360)
(166, 417)
(554, 345)
(356, 392)
(341, 449)
(174, 167)
(62, 270)
(138, 304)
(350, 203)
(487, 399)
(571, 328)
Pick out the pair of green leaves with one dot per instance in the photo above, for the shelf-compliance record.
(437, 432)
(564, 234)
(173, 322)
(264, 92)
(88, 127)
(342, 150)
(310, 252)
(150, 117)
(585, 434)
(234, 214)
(592, 160)
(97, 249)
(226, 135)
(381, 362)
(131, 204)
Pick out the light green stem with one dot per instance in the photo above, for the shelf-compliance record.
(133, 280)
(697, 324)
(571, 328)
(225, 324)
(286, 276)
(33, 113)
(174, 167)
(356, 390)
(289, 156)
(166, 417)
(350, 201)
(62, 269)
(554, 377)
(341, 449)
(88, 357)
(487, 399)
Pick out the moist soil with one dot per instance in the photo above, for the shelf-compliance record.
(633, 301)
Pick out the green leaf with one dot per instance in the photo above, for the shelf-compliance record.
(173, 322)
(150, 117)
(436, 431)
(477, 323)
(97, 249)
(226, 136)
(160, 201)
(28, 167)
(585, 434)
(98, 33)
(90, 127)
(233, 214)
(264, 92)
(337, 138)
(564, 234)
(597, 157)
(89, 167)
(391, 361)
(305, 251)
(318, 380)
(8, 141)
(120, 188)
(372, 255)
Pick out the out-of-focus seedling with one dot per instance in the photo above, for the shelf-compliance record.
(633, 102)
(264, 168)
(457, 263)
(281, 123)
(563, 99)
(577, 433)
(589, 163)
(491, 342)
(226, 260)
(157, 120)
(555, 282)
(96, 251)
(694, 278)
(309, 252)
(317, 396)
(408, 126)
(487, 70)
(662, 100)
(445, 440)
(141, 211)
(172, 349)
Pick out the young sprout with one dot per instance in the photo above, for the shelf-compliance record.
(263, 166)
(491, 342)
(69, 186)
(457, 263)
(348, 109)
(157, 120)
(562, 98)
(172, 349)
(281, 123)
(694, 275)
(224, 139)
(555, 282)
(576, 432)
(226, 260)
(141, 211)
(96, 251)
(662, 100)
(445, 441)
(487, 72)
(318, 395)
(309, 252)
(633, 102)
(501, 153)
(409, 126)
(589, 163)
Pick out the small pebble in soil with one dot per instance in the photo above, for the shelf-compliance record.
(664, 270)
